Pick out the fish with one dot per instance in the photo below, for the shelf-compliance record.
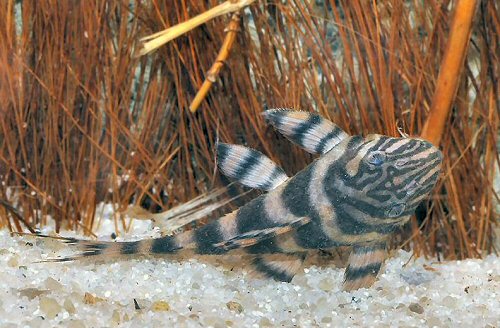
(356, 193)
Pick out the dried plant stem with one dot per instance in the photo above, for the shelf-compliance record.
(449, 73)
(16, 214)
(154, 41)
(231, 30)
(484, 229)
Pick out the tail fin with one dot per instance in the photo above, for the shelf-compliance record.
(104, 250)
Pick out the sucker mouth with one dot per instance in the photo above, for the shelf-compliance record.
(419, 183)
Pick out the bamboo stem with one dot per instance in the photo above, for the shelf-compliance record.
(154, 41)
(449, 74)
(231, 29)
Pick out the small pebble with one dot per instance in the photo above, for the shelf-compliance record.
(160, 306)
(91, 299)
(327, 284)
(32, 293)
(50, 307)
(68, 306)
(52, 284)
(417, 308)
(234, 306)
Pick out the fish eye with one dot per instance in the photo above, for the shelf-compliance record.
(395, 210)
(376, 158)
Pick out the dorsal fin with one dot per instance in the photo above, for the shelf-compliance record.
(249, 167)
(312, 132)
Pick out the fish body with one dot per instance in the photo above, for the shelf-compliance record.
(355, 194)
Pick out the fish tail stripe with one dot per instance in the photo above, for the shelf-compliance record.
(90, 248)
(164, 245)
(98, 249)
(253, 217)
(310, 131)
(130, 248)
(249, 167)
(207, 236)
(255, 236)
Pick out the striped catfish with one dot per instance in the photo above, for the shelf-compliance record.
(356, 193)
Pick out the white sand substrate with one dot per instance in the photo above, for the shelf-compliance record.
(161, 292)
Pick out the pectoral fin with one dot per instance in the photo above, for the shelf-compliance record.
(310, 131)
(255, 236)
(249, 167)
(364, 265)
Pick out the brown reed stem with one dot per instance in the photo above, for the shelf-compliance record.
(16, 214)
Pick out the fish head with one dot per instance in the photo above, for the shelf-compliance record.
(394, 175)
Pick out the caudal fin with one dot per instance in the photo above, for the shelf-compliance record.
(105, 250)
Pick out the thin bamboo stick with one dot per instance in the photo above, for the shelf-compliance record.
(156, 40)
(449, 74)
(231, 29)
